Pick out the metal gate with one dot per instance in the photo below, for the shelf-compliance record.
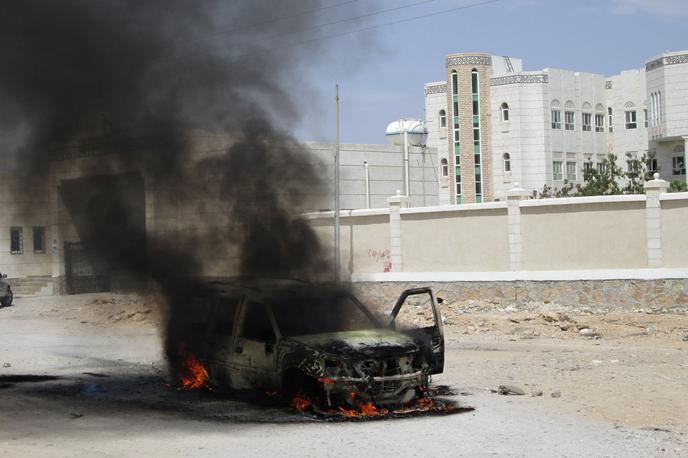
(83, 272)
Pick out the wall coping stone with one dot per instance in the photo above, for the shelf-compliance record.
(674, 196)
(346, 213)
(454, 208)
(553, 275)
(583, 200)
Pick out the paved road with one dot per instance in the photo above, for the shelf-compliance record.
(110, 400)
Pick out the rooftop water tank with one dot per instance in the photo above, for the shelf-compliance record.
(417, 132)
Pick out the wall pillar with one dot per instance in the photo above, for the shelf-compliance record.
(395, 204)
(685, 156)
(653, 220)
(54, 236)
(513, 199)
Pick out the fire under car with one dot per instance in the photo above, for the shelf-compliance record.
(300, 339)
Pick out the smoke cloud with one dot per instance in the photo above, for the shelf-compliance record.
(136, 84)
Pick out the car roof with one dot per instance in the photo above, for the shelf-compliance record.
(255, 286)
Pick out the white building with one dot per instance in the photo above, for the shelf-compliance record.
(544, 126)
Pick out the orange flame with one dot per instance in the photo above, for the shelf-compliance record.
(423, 403)
(192, 373)
(301, 403)
(364, 409)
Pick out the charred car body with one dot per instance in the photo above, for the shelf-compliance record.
(297, 338)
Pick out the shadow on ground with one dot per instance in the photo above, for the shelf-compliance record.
(93, 393)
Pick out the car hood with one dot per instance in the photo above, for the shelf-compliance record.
(367, 343)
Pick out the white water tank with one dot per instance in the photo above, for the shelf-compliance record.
(417, 132)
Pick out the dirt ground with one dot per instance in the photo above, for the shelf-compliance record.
(85, 376)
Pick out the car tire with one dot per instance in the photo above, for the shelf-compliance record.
(7, 300)
(295, 382)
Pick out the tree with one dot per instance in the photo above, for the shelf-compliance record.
(546, 192)
(603, 181)
(637, 173)
(678, 186)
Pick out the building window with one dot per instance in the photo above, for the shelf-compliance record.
(557, 170)
(587, 166)
(599, 123)
(474, 81)
(16, 240)
(556, 119)
(505, 112)
(678, 165)
(443, 118)
(609, 113)
(645, 113)
(457, 142)
(569, 120)
(601, 168)
(652, 163)
(444, 166)
(631, 120)
(507, 162)
(38, 239)
(476, 136)
(655, 109)
(571, 171)
(587, 122)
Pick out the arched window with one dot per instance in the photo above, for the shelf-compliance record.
(444, 166)
(505, 112)
(653, 108)
(569, 116)
(507, 162)
(631, 117)
(556, 114)
(599, 118)
(474, 81)
(443, 118)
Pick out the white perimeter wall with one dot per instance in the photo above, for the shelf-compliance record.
(582, 233)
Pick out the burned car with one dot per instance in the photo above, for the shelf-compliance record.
(300, 339)
(6, 296)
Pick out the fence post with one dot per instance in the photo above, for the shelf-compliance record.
(395, 204)
(514, 197)
(653, 220)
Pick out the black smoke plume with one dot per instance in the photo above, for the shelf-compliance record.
(182, 100)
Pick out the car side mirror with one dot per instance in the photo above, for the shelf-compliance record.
(4, 275)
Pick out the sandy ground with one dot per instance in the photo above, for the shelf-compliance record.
(618, 389)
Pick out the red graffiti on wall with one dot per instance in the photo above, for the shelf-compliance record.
(382, 256)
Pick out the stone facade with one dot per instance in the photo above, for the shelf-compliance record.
(463, 65)
(600, 295)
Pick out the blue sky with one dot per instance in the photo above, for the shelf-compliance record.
(382, 73)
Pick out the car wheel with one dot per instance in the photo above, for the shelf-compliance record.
(296, 383)
(7, 300)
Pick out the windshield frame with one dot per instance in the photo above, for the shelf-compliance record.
(375, 323)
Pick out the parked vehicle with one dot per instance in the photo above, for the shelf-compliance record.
(6, 296)
(297, 338)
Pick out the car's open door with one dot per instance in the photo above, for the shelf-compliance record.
(427, 330)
